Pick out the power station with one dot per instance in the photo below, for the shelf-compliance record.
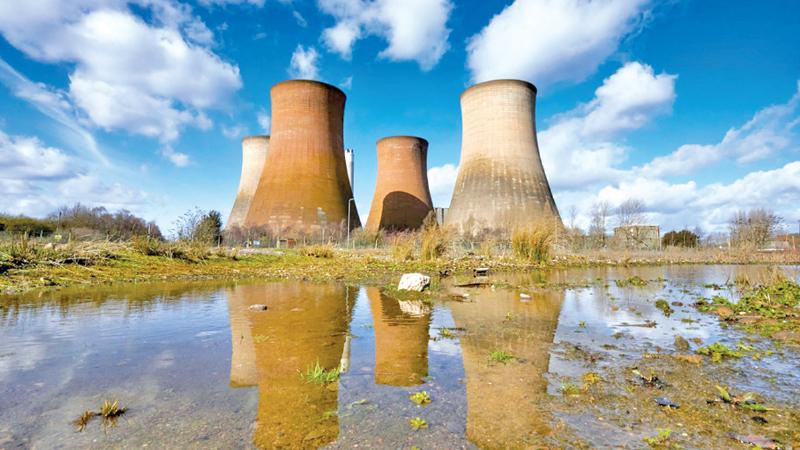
(254, 154)
(501, 182)
(402, 197)
(304, 185)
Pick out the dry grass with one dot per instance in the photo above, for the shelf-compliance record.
(318, 251)
(402, 245)
(434, 243)
(533, 243)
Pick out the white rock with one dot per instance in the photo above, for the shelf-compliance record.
(524, 296)
(414, 282)
(258, 307)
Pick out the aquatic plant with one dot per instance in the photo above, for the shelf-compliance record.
(591, 378)
(420, 398)
(718, 351)
(111, 409)
(582, 324)
(570, 389)
(316, 374)
(660, 439)
(634, 281)
(417, 423)
(663, 305)
(445, 333)
(501, 356)
(83, 420)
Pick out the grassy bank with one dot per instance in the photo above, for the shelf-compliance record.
(28, 265)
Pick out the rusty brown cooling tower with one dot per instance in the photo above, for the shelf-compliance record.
(304, 183)
(501, 183)
(402, 198)
(254, 154)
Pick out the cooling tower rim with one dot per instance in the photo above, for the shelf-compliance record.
(255, 137)
(307, 82)
(509, 81)
(402, 136)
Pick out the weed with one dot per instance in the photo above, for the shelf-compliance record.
(316, 374)
(420, 398)
(434, 241)
(417, 422)
(663, 305)
(660, 439)
(83, 420)
(569, 389)
(718, 351)
(403, 246)
(501, 356)
(634, 281)
(111, 409)
(445, 333)
(318, 251)
(591, 378)
(582, 324)
(534, 243)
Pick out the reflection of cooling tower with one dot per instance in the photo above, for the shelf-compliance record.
(402, 198)
(504, 400)
(501, 182)
(254, 153)
(348, 159)
(304, 324)
(401, 341)
(306, 184)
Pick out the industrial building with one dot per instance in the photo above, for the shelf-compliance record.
(402, 198)
(304, 185)
(254, 154)
(501, 184)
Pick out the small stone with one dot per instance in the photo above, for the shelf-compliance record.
(258, 307)
(414, 282)
(524, 296)
(681, 344)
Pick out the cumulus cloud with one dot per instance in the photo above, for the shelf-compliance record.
(578, 147)
(416, 30)
(304, 63)
(178, 159)
(234, 131)
(24, 158)
(258, 3)
(127, 74)
(264, 120)
(547, 41)
(441, 180)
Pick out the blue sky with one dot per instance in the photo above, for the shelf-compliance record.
(691, 106)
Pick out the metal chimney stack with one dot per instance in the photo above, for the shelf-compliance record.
(501, 184)
(402, 198)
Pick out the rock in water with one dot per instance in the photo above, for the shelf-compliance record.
(258, 307)
(414, 282)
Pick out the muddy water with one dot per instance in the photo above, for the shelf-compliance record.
(197, 368)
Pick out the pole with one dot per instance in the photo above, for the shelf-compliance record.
(348, 220)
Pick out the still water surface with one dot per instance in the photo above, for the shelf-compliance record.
(198, 369)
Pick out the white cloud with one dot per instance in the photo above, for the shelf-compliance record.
(177, 158)
(304, 63)
(25, 158)
(547, 41)
(264, 120)
(441, 180)
(347, 83)
(234, 131)
(578, 149)
(299, 18)
(258, 3)
(127, 74)
(416, 30)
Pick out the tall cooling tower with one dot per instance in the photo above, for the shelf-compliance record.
(254, 154)
(402, 198)
(501, 183)
(306, 185)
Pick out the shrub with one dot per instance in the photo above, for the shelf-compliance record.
(682, 238)
(533, 243)
(434, 243)
(403, 246)
(317, 251)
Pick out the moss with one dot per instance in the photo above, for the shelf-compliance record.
(718, 351)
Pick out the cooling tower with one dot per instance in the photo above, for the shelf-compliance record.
(402, 198)
(254, 153)
(348, 159)
(501, 183)
(306, 186)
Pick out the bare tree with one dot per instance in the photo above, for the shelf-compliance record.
(754, 228)
(630, 212)
(597, 226)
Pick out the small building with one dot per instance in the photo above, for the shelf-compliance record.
(637, 237)
(440, 213)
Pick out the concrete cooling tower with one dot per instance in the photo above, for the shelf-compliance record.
(501, 183)
(254, 154)
(306, 186)
(402, 198)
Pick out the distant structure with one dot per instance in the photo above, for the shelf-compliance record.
(637, 237)
(348, 159)
(306, 187)
(254, 154)
(501, 182)
(402, 198)
(441, 213)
